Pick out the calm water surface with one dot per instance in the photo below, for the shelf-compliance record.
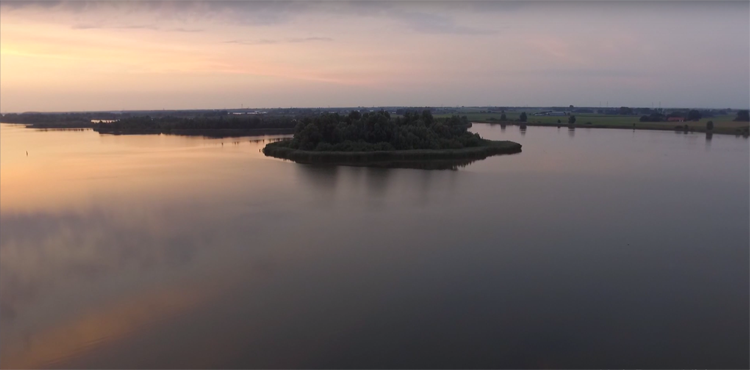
(592, 248)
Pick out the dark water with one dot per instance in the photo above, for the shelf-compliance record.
(592, 248)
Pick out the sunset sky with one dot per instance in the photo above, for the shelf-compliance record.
(69, 56)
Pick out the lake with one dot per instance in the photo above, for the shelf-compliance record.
(591, 248)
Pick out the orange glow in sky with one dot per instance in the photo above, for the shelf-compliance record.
(60, 56)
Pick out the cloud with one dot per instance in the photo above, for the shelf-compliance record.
(428, 17)
(280, 41)
(235, 12)
(437, 24)
(88, 26)
(584, 73)
(33, 262)
(272, 12)
(189, 30)
(481, 5)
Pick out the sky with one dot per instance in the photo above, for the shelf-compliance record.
(116, 55)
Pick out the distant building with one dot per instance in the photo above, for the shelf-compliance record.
(551, 113)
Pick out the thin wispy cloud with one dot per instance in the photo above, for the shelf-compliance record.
(86, 26)
(280, 41)
(437, 24)
(479, 4)
(125, 27)
(578, 73)
(187, 30)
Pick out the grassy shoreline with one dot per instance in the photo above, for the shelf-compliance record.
(421, 158)
(654, 126)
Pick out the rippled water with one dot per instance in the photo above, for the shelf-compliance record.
(592, 248)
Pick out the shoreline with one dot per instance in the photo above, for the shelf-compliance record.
(61, 125)
(220, 132)
(217, 133)
(642, 126)
(418, 158)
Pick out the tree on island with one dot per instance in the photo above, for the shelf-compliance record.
(427, 117)
(709, 125)
(377, 131)
(503, 117)
(572, 120)
(522, 117)
(743, 116)
(694, 115)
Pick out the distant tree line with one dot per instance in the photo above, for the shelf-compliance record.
(689, 115)
(653, 117)
(402, 111)
(202, 122)
(62, 119)
(377, 131)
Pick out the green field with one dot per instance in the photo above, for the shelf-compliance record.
(722, 124)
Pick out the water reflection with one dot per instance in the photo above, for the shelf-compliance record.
(322, 178)
(709, 136)
(377, 181)
(174, 252)
(80, 335)
(102, 244)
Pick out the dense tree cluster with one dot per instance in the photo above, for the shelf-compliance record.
(377, 131)
(203, 122)
(61, 119)
(582, 110)
(626, 111)
(653, 117)
(743, 115)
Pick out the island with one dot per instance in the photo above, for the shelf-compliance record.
(211, 123)
(218, 124)
(51, 120)
(375, 139)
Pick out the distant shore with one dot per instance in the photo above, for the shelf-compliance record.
(420, 158)
(655, 126)
(183, 132)
(219, 132)
(56, 125)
